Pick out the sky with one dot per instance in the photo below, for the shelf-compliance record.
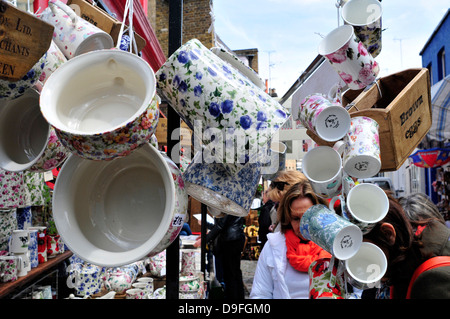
(287, 33)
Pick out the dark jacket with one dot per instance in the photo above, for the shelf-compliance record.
(227, 228)
(435, 283)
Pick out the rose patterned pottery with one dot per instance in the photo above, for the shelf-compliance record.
(365, 17)
(361, 155)
(9, 268)
(349, 57)
(102, 104)
(12, 190)
(214, 186)
(189, 283)
(330, 121)
(113, 213)
(27, 141)
(12, 90)
(209, 94)
(188, 262)
(330, 231)
(74, 35)
(366, 268)
(180, 208)
(324, 281)
(157, 264)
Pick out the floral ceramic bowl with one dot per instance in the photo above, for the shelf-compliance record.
(27, 141)
(209, 94)
(180, 208)
(102, 104)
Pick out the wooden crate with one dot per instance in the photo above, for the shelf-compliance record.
(401, 105)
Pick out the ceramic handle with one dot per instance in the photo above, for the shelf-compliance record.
(72, 15)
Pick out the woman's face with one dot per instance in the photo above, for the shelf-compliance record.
(298, 207)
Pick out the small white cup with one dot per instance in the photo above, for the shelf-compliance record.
(322, 166)
(365, 269)
(366, 204)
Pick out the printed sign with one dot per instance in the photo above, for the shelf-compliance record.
(24, 39)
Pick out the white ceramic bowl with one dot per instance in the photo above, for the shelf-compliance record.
(112, 213)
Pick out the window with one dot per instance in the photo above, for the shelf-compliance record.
(441, 64)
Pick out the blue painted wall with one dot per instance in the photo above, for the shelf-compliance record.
(431, 52)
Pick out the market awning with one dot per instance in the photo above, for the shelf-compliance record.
(430, 158)
(440, 103)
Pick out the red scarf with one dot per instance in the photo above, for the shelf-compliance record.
(301, 255)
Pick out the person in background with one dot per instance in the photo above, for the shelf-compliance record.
(278, 187)
(407, 244)
(264, 220)
(228, 237)
(282, 268)
(418, 207)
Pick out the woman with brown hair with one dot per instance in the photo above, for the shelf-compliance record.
(407, 244)
(282, 269)
(278, 187)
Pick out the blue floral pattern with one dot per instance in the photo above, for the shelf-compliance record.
(199, 85)
(212, 185)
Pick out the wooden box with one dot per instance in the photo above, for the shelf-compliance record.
(401, 104)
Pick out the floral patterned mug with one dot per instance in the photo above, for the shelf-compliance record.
(330, 231)
(9, 268)
(365, 17)
(329, 120)
(209, 94)
(349, 57)
(72, 34)
(361, 154)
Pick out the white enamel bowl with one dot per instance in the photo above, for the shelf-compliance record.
(112, 213)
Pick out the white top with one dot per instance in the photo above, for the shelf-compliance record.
(274, 277)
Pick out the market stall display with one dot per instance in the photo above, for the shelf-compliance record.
(90, 106)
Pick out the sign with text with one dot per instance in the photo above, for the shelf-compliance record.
(24, 39)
